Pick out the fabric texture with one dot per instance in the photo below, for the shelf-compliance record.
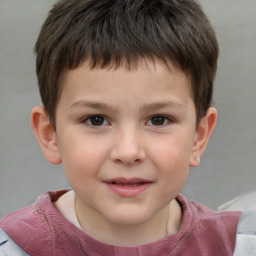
(246, 234)
(9, 247)
(39, 229)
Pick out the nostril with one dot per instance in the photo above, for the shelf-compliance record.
(127, 152)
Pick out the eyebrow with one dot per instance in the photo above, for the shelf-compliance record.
(163, 104)
(89, 104)
(144, 107)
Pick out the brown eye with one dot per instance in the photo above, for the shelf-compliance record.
(158, 120)
(96, 121)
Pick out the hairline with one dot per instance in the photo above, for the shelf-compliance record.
(129, 67)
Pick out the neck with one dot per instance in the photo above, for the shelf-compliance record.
(165, 222)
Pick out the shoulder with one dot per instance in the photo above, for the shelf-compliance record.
(27, 218)
(246, 234)
(27, 225)
(203, 214)
(216, 230)
(223, 223)
(246, 229)
(30, 227)
(8, 246)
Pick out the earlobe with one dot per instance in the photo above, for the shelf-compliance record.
(202, 136)
(45, 135)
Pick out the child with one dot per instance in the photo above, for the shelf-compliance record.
(127, 91)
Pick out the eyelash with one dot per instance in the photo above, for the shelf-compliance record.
(165, 120)
(89, 121)
(102, 121)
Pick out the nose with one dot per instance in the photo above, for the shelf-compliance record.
(128, 147)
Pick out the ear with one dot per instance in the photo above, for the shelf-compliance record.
(45, 135)
(202, 136)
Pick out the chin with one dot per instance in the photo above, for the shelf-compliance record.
(130, 218)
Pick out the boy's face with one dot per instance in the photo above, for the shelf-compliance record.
(126, 139)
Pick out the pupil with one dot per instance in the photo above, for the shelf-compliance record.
(158, 120)
(97, 120)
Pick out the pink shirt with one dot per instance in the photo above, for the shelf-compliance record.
(41, 230)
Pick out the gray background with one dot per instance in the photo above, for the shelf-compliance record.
(227, 167)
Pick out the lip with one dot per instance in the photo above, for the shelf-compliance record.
(128, 187)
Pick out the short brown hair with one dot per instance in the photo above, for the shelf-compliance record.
(110, 33)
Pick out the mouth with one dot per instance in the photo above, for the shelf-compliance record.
(127, 182)
(128, 187)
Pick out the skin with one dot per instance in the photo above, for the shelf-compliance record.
(119, 123)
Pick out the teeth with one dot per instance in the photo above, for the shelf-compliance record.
(134, 184)
(127, 184)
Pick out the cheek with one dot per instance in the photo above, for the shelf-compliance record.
(172, 152)
(81, 158)
(174, 172)
(171, 159)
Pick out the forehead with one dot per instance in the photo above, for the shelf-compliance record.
(153, 68)
(147, 68)
(150, 83)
